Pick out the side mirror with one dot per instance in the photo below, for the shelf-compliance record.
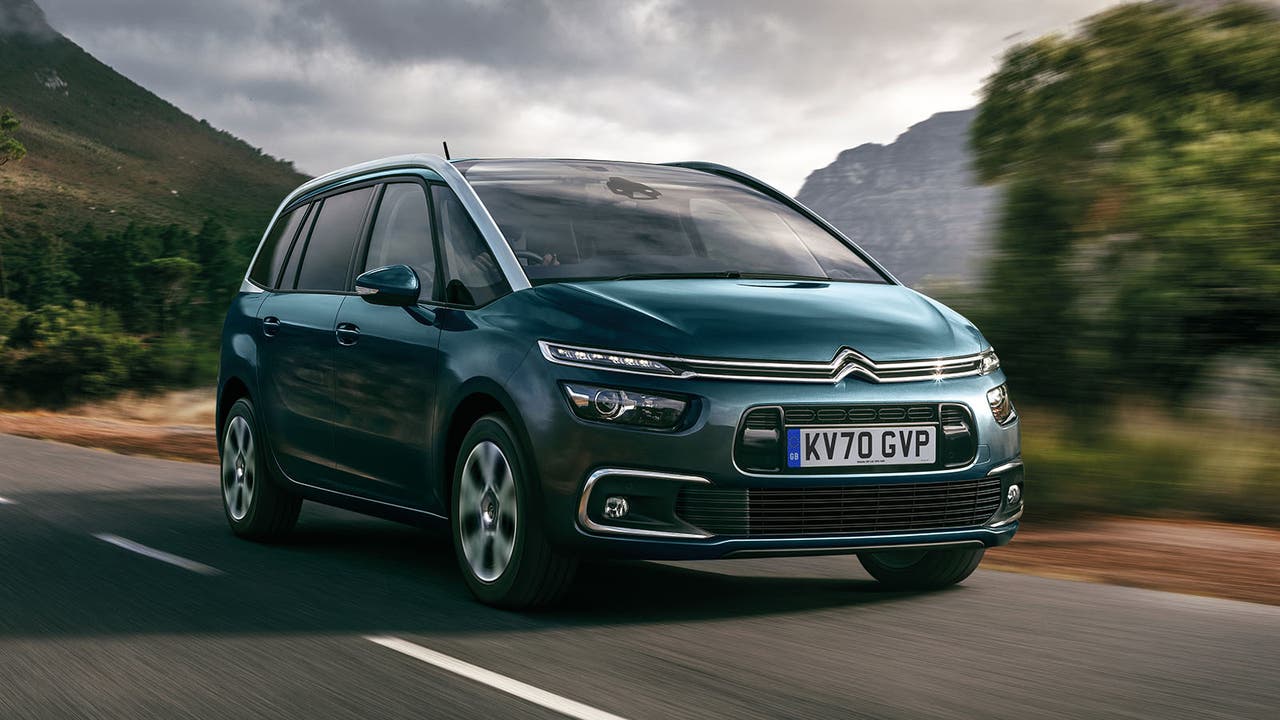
(395, 285)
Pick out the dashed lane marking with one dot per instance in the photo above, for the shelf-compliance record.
(524, 691)
(154, 554)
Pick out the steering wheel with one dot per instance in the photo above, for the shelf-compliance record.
(533, 257)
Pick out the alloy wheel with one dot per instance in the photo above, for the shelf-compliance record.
(239, 469)
(487, 511)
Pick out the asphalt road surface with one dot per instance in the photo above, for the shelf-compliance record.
(123, 594)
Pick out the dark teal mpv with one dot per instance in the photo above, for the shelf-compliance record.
(564, 358)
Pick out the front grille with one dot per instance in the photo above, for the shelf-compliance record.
(760, 446)
(860, 414)
(817, 511)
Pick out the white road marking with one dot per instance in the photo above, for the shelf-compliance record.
(154, 554)
(524, 691)
(7, 501)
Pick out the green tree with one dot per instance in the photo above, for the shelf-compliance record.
(1141, 232)
(109, 268)
(168, 282)
(221, 269)
(10, 150)
(58, 354)
(39, 269)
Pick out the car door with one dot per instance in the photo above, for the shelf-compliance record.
(299, 341)
(387, 364)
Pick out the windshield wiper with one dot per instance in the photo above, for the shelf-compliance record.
(680, 275)
(730, 274)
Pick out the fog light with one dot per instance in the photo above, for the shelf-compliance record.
(1001, 405)
(615, 507)
(1014, 497)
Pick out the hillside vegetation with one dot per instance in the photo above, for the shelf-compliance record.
(124, 224)
(103, 150)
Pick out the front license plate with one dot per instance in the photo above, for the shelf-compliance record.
(864, 445)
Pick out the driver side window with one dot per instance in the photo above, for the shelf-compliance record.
(473, 277)
(402, 234)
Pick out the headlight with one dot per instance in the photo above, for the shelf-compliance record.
(625, 407)
(1001, 405)
(990, 363)
(589, 357)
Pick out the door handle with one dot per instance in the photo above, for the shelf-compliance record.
(347, 333)
(270, 326)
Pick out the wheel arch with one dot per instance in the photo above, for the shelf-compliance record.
(233, 389)
(475, 399)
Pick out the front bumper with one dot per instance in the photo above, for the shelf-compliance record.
(578, 462)
(662, 532)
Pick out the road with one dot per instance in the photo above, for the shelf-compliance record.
(170, 616)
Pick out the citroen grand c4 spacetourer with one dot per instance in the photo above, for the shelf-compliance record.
(563, 358)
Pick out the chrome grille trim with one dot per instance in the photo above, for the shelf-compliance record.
(846, 362)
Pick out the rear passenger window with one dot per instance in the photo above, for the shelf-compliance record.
(327, 256)
(402, 234)
(290, 275)
(266, 268)
(474, 277)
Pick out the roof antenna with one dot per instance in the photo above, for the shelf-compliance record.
(446, 149)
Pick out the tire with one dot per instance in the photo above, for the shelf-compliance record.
(921, 569)
(497, 525)
(256, 503)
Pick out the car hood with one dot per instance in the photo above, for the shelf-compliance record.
(759, 319)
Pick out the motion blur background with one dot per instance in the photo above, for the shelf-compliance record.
(1097, 186)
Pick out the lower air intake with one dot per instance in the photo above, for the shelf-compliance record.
(819, 511)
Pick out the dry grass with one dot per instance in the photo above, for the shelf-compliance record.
(175, 425)
(1237, 562)
(180, 407)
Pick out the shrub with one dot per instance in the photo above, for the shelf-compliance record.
(58, 354)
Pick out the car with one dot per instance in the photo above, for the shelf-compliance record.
(568, 359)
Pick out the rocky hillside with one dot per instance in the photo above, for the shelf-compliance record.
(102, 149)
(914, 203)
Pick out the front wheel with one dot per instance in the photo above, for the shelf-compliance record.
(918, 569)
(497, 530)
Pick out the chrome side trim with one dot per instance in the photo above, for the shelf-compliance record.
(453, 178)
(1005, 467)
(845, 363)
(586, 522)
(1009, 520)
(362, 498)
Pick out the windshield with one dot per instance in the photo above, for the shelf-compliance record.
(598, 220)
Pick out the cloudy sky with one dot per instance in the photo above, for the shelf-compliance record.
(776, 88)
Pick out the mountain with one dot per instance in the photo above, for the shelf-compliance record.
(102, 149)
(914, 204)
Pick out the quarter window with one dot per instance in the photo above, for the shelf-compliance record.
(474, 277)
(266, 269)
(327, 257)
(402, 234)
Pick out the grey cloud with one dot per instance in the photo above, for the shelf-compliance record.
(23, 17)
(777, 88)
